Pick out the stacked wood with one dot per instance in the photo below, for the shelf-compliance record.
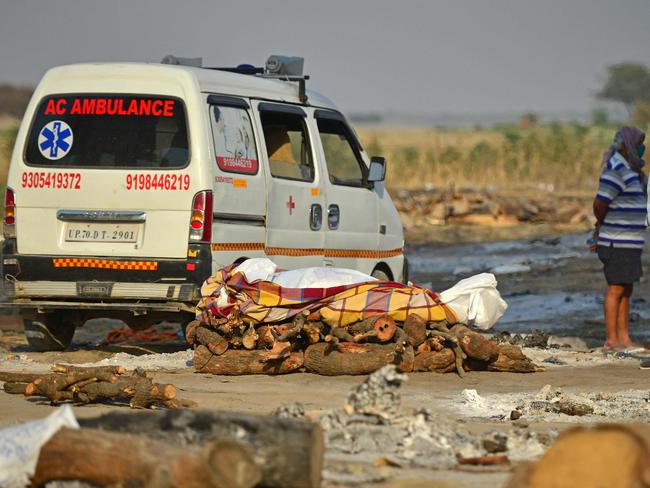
(230, 347)
(93, 385)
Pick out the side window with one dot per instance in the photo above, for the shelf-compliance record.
(344, 164)
(287, 146)
(234, 144)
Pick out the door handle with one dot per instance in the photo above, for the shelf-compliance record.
(333, 216)
(315, 217)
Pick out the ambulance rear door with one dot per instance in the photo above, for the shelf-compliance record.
(105, 175)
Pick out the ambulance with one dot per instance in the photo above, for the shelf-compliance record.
(131, 183)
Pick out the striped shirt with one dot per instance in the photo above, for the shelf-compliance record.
(625, 222)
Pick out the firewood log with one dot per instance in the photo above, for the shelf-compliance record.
(416, 329)
(377, 329)
(15, 388)
(211, 339)
(443, 361)
(236, 362)
(512, 360)
(249, 341)
(289, 452)
(475, 345)
(9, 377)
(353, 359)
(190, 331)
(109, 459)
(266, 337)
(312, 331)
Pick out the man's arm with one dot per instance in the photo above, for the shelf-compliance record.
(601, 208)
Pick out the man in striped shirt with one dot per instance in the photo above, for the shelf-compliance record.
(620, 208)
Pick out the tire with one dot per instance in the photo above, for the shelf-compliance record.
(380, 275)
(49, 332)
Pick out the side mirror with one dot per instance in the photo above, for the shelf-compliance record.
(377, 171)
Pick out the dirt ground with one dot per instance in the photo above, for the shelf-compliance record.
(442, 394)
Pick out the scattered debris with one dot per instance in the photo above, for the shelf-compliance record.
(94, 385)
(371, 429)
(535, 338)
(490, 209)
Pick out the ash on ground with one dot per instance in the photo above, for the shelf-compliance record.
(554, 404)
(371, 435)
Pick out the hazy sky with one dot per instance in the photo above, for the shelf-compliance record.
(480, 56)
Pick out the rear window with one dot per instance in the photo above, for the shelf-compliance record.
(109, 131)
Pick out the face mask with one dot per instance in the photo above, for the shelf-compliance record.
(640, 150)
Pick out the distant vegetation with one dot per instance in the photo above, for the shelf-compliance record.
(565, 157)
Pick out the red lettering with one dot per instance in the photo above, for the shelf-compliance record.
(156, 111)
(122, 110)
(145, 107)
(88, 106)
(76, 107)
(111, 106)
(60, 106)
(133, 108)
(168, 111)
(50, 108)
(100, 108)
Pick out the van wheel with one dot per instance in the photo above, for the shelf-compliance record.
(49, 331)
(380, 275)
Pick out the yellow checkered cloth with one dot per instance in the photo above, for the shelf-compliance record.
(267, 302)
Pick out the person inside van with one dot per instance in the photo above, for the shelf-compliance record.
(620, 208)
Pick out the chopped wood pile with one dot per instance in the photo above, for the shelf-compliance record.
(490, 209)
(230, 347)
(94, 385)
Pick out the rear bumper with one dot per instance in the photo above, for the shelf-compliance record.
(136, 308)
(100, 279)
(194, 269)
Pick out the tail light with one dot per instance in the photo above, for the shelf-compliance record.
(201, 220)
(9, 229)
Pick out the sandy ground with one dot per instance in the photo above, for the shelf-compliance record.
(571, 284)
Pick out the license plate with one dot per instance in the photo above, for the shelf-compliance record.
(94, 289)
(101, 233)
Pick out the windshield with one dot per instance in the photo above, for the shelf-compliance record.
(109, 131)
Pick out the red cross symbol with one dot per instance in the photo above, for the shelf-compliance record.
(291, 204)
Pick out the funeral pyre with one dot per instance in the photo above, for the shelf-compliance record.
(254, 319)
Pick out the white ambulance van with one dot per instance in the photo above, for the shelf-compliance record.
(130, 184)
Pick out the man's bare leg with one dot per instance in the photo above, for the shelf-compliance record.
(612, 301)
(622, 323)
